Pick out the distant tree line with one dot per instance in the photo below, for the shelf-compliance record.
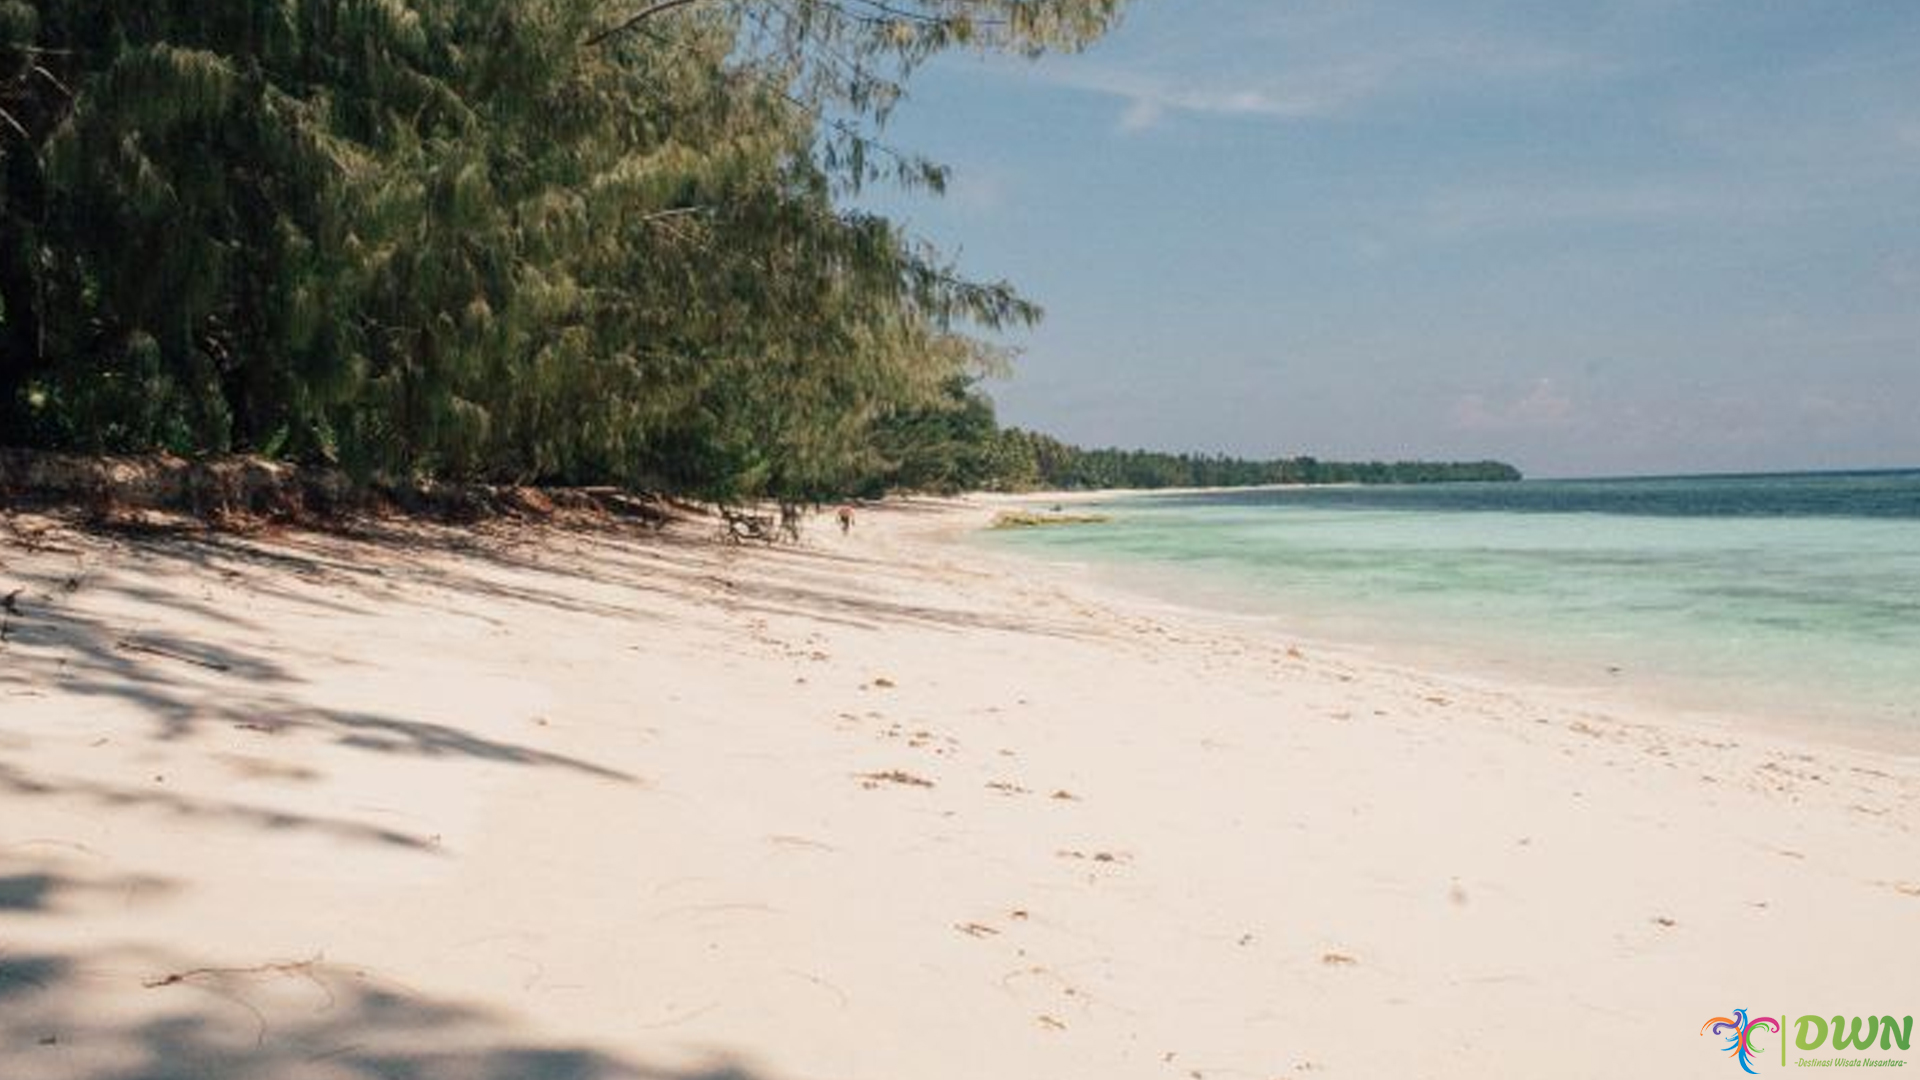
(955, 444)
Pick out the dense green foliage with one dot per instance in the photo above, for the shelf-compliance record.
(949, 444)
(559, 240)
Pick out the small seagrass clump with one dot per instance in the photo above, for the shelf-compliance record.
(1017, 519)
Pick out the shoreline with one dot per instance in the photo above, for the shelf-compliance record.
(1701, 700)
(1681, 702)
(599, 804)
(1087, 495)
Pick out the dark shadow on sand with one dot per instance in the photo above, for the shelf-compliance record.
(286, 1020)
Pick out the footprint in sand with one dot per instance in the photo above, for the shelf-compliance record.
(1116, 857)
(785, 840)
(899, 777)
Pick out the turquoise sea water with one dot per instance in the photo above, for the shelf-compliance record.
(1794, 596)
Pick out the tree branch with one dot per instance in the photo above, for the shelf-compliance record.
(660, 7)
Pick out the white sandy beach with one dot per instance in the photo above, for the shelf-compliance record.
(593, 805)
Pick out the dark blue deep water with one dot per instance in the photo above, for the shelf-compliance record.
(1884, 494)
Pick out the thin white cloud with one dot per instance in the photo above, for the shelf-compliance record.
(1342, 59)
(1151, 98)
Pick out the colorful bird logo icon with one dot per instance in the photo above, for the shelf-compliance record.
(1738, 1031)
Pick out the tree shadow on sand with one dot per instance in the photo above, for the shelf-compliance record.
(769, 580)
(185, 685)
(17, 782)
(140, 1015)
(46, 887)
(199, 682)
(198, 694)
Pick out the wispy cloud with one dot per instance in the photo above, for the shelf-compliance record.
(1148, 98)
(1312, 61)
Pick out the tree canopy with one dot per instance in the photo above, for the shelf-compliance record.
(559, 240)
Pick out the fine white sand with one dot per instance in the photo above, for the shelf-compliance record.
(541, 804)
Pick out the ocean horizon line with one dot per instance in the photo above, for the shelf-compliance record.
(1757, 474)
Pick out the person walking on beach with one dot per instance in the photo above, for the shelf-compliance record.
(845, 514)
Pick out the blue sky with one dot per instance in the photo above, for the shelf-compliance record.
(1588, 238)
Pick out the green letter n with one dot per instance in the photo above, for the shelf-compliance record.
(1889, 1034)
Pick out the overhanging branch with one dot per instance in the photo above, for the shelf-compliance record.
(661, 7)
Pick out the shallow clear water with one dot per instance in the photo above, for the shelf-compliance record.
(1796, 596)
